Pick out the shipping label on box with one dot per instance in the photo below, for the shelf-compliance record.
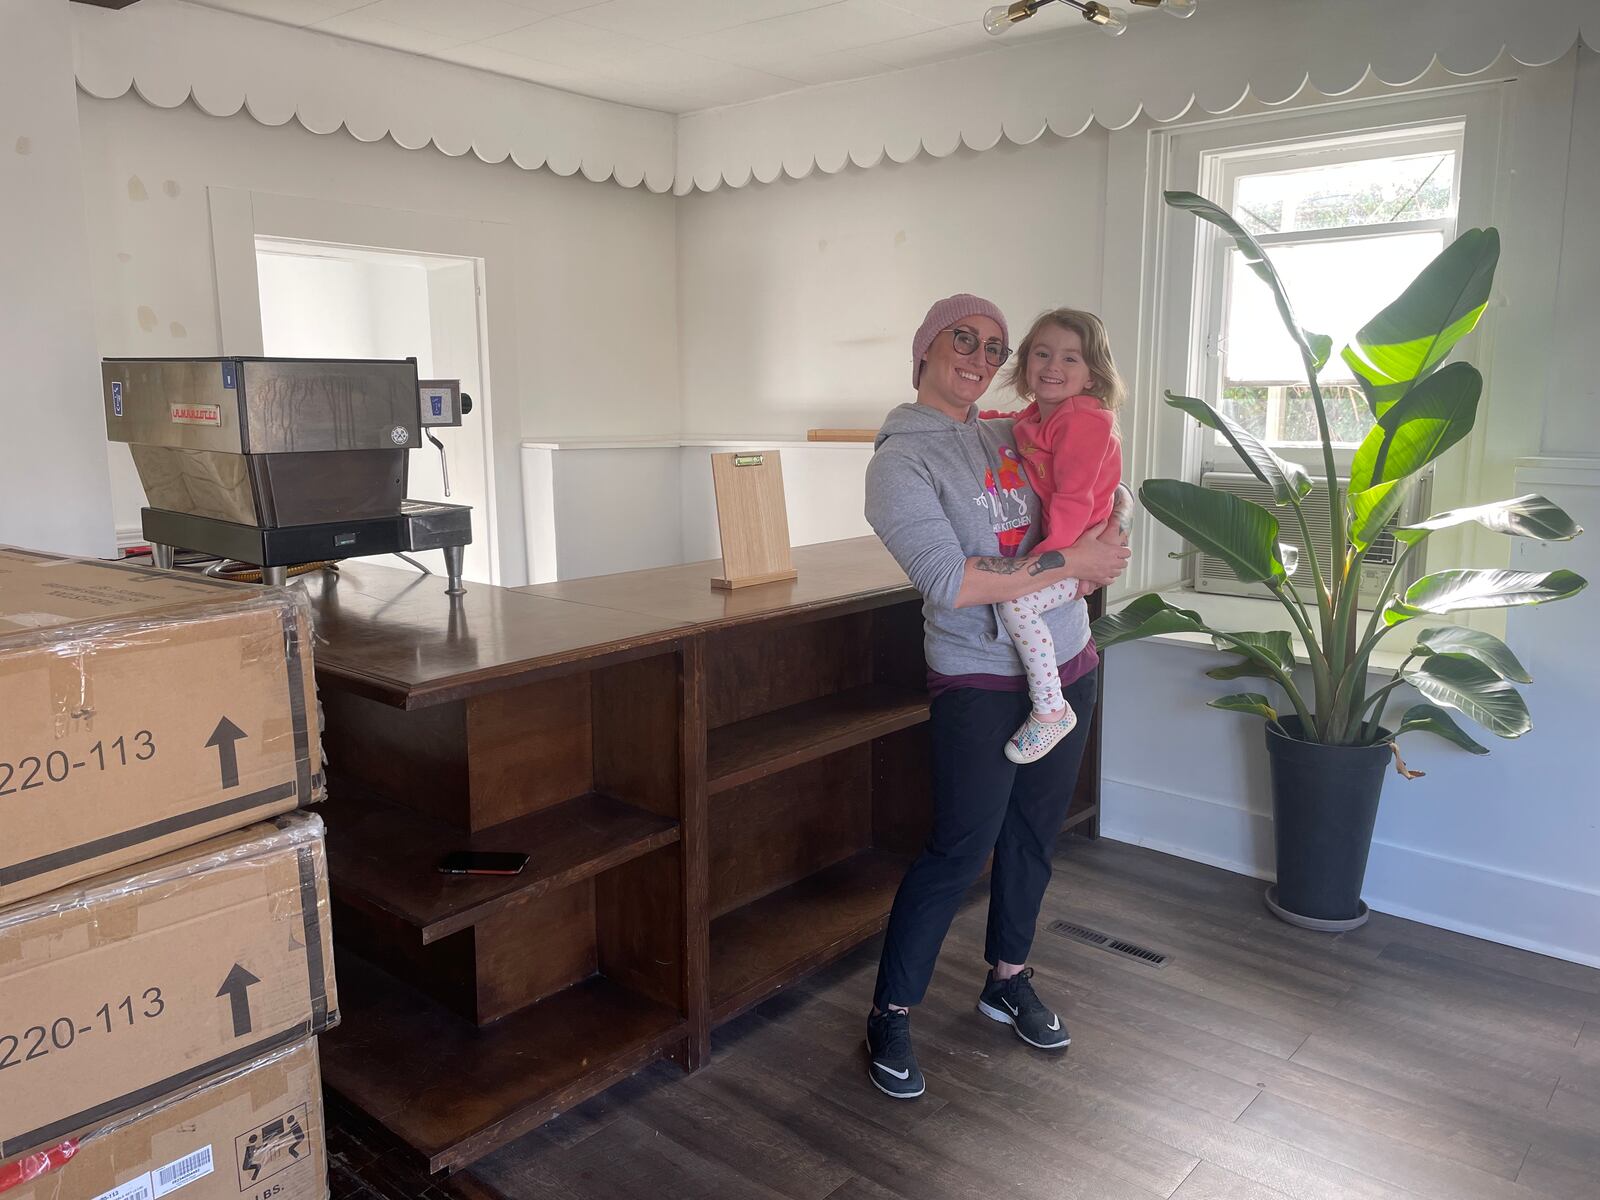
(144, 710)
(116, 993)
(253, 1133)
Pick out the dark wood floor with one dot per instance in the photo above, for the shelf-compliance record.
(1261, 1062)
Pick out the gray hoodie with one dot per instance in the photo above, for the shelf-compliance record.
(938, 492)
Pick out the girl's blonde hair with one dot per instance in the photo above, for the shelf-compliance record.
(1105, 381)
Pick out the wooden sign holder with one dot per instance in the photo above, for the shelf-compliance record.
(752, 519)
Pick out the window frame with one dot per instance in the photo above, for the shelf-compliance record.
(1220, 171)
(1151, 256)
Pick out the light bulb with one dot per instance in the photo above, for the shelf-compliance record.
(1002, 16)
(997, 20)
(1114, 22)
(1182, 9)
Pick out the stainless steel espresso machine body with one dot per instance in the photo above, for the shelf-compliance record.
(281, 461)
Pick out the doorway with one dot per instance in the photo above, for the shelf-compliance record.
(323, 300)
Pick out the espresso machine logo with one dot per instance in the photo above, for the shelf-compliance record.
(196, 414)
(399, 435)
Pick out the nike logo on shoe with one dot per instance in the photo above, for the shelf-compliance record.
(906, 1074)
(1015, 1011)
(1055, 1024)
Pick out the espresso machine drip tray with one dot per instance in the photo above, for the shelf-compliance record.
(277, 462)
(420, 525)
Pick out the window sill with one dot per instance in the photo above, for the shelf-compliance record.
(1255, 614)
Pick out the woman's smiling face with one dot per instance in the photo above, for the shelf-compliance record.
(1056, 368)
(961, 379)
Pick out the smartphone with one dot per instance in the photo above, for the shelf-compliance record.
(482, 862)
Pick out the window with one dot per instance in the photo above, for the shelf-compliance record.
(1348, 223)
(1350, 198)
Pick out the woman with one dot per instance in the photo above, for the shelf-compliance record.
(947, 497)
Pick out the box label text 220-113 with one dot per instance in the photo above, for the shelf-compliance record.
(64, 1032)
(39, 770)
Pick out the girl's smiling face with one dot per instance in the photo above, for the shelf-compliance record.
(1056, 367)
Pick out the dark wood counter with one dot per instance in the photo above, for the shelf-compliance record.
(837, 576)
(394, 636)
(718, 792)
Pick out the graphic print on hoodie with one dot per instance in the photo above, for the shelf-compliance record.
(1007, 503)
(938, 492)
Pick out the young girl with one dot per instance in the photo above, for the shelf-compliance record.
(1067, 440)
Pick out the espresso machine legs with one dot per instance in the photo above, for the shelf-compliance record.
(161, 556)
(453, 557)
(275, 576)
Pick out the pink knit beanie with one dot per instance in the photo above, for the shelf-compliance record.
(944, 314)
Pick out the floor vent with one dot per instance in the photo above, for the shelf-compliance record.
(1093, 937)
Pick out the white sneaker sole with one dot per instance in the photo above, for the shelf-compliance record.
(998, 1014)
(892, 1095)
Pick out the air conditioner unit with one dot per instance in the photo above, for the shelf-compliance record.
(1211, 574)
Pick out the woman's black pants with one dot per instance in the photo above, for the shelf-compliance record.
(982, 802)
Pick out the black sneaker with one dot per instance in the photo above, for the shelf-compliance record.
(1013, 1002)
(891, 1065)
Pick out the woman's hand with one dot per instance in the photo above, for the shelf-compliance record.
(1100, 556)
(1113, 533)
(1091, 560)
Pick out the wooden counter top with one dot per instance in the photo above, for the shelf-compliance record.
(830, 574)
(393, 635)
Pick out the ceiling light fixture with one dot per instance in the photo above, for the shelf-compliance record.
(1113, 21)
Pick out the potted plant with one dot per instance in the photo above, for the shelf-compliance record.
(1330, 744)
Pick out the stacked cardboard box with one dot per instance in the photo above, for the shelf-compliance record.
(165, 954)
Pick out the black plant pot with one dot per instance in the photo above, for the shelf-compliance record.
(1324, 805)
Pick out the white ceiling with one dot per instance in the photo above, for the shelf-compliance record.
(672, 55)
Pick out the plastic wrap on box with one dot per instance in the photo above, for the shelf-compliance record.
(254, 1132)
(144, 710)
(124, 989)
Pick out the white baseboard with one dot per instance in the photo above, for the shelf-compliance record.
(1546, 916)
(1193, 827)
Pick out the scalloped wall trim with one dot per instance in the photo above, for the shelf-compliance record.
(169, 52)
(1161, 69)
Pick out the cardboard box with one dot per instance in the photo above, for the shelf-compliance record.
(135, 985)
(144, 710)
(254, 1133)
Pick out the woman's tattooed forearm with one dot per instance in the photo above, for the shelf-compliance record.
(999, 566)
(1050, 560)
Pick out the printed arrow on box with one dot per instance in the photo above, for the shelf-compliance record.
(237, 988)
(224, 737)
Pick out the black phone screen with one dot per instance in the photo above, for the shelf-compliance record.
(482, 862)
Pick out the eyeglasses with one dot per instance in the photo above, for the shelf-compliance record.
(994, 352)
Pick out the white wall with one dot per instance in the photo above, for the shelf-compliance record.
(1572, 417)
(344, 308)
(592, 348)
(455, 345)
(798, 299)
(54, 494)
(616, 510)
(824, 493)
(597, 510)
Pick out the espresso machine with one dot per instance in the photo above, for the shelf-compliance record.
(277, 462)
